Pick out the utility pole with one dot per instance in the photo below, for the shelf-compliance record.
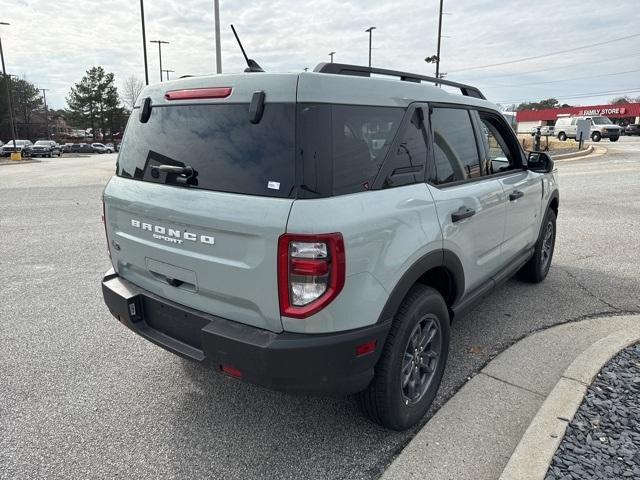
(7, 80)
(216, 16)
(331, 54)
(46, 111)
(144, 44)
(439, 38)
(167, 72)
(370, 30)
(159, 42)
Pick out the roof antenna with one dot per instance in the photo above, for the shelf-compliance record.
(252, 65)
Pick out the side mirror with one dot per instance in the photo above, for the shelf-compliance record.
(539, 162)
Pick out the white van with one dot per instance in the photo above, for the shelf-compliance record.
(601, 127)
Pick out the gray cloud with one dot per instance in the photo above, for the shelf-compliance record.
(53, 43)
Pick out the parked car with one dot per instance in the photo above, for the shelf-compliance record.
(46, 148)
(601, 127)
(81, 148)
(66, 147)
(328, 243)
(23, 146)
(632, 129)
(101, 148)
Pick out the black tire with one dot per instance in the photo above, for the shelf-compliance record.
(562, 137)
(537, 268)
(613, 139)
(385, 400)
(595, 136)
(50, 155)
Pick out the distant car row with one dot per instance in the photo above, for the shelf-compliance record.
(50, 148)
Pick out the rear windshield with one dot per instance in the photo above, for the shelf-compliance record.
(226, 151)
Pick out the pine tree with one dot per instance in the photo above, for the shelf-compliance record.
(95, 101)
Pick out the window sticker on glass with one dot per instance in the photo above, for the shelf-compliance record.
(273, 185)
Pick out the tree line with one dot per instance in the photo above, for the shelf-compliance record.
(93, 103)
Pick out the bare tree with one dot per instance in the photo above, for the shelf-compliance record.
(130, 91)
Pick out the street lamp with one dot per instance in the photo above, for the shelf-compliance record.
(159, 42)
(6, 82)
(216, 18)
(167, 72)
(331, 54)
(144, 44)
(46, 110)
(370, 30)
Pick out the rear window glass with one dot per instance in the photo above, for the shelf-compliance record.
(226, 151)
(343, 146)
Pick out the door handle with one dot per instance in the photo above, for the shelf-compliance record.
(462, 213)
(516, 194)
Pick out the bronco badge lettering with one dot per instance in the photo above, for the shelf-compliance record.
(172, 235)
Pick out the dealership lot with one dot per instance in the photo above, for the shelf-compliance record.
(80, 396)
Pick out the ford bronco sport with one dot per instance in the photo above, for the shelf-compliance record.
(318, 231)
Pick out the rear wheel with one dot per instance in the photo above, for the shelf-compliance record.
(410, 369)
(562, 136)
(613, 139)
(595, 136)
(537, 268)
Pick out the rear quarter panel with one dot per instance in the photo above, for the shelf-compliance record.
(385, 232)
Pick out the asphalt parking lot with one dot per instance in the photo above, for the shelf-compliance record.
(82, 397)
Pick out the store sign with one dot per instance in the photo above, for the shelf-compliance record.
(604, 111)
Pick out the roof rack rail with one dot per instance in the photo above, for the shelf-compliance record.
(361, 71)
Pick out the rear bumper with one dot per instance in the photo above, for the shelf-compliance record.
(309, 363)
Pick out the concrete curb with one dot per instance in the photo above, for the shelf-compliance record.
(534, 453)
(581, 153)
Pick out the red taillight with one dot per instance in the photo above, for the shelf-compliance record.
(365, 348)
(231, 371)
(311, 272)
(198, 93)
(104, 222)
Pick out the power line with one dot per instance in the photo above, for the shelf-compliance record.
(581, 95)
(563, 80)
(535, 57)
(561, 67)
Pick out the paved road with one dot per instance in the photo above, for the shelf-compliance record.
(82, 397)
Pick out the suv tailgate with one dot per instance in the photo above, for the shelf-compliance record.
(206, 239)
(229, 270)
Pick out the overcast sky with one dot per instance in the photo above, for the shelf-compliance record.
(52, 43)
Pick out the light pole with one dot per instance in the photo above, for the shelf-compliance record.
(331, 54)
(159, 42)
(216, 17)
(144, 44)
(439, 37)
(46, 111)
(167, 72)
(6, 82)
(370, 30)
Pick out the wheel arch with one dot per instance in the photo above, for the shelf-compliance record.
(441, 270)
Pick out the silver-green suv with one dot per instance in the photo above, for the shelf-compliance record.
(319, 231)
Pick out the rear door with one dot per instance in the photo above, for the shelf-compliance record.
(470, 207)
(202, 195)
(501, 158)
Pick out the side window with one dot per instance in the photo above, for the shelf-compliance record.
(573, 121)
(361, 138)
(500, 153)
(454, 147)
(409, 159)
